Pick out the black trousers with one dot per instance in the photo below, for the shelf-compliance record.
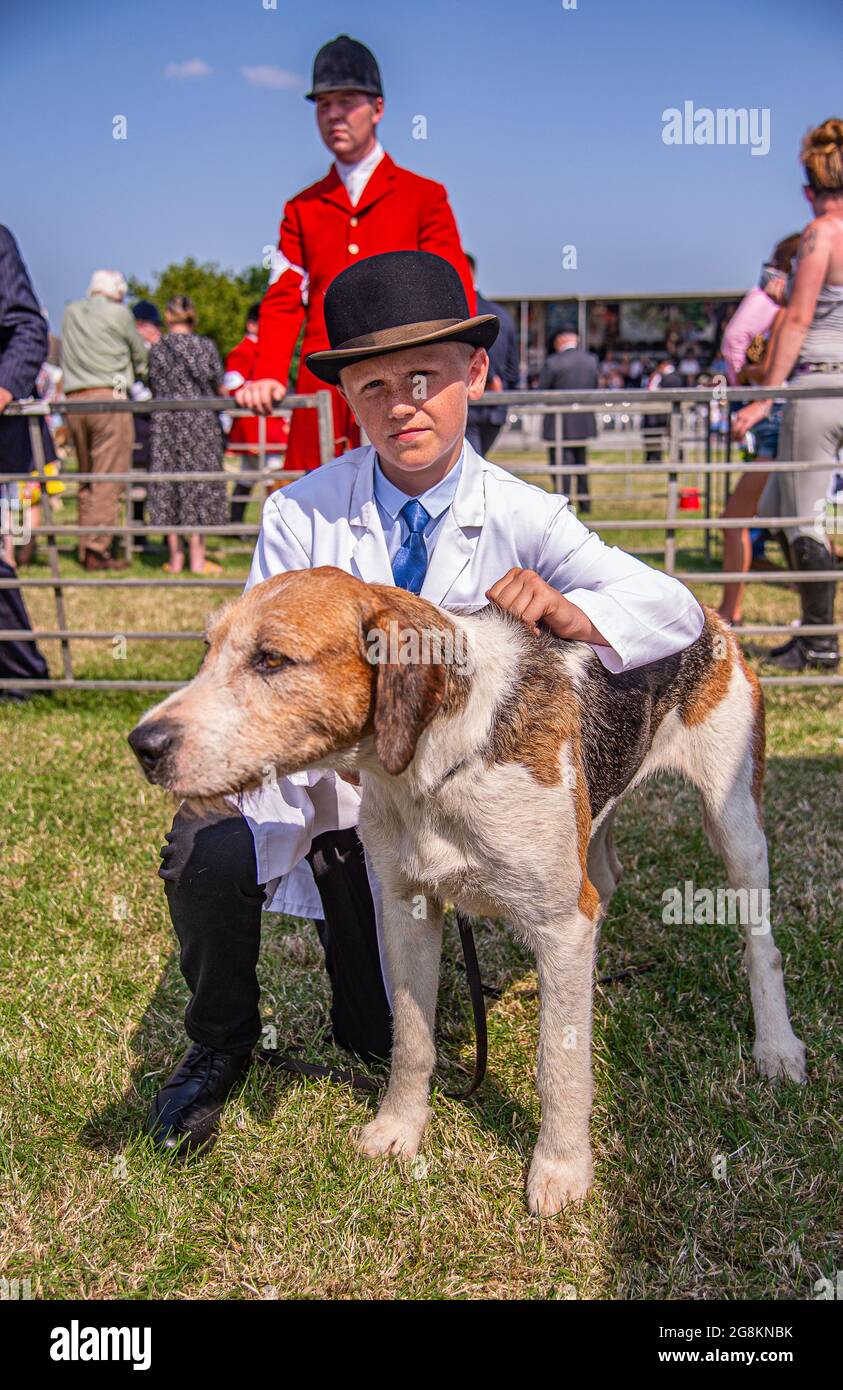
(210, 878)
(17, 659)
(242, 491)
(573, 456)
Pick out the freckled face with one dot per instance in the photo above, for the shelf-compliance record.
(413, 404)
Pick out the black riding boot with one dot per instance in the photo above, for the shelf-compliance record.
(817, 609)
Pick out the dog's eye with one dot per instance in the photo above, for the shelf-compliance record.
(270, 661)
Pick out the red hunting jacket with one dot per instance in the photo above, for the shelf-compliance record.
(245, 429)
(322, 234)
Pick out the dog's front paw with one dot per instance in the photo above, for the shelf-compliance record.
(781, 1058)
(393, 1136)
(553, 1183)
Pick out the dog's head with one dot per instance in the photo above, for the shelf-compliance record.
(301, 671)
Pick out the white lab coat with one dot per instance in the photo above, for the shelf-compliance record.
(495, 521)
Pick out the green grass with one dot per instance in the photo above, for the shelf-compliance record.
(90, 1023)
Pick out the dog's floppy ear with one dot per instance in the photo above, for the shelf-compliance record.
(407, 693)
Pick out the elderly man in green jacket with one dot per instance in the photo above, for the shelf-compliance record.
(102, 353)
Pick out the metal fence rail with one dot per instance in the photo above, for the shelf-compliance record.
(679, 439)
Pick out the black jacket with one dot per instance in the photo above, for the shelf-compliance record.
(571, 370)
(504, 362)
(24, 343)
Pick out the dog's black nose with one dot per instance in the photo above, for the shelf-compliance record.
(151, 741)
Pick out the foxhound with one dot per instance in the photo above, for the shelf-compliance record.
(491, 762)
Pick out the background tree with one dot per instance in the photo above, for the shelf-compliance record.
(222, 297)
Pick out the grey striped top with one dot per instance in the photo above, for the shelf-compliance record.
(824, 339)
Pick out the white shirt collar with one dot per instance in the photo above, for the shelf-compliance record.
(356, 176)
(435, 501)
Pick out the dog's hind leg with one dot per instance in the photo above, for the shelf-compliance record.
(777, 1051)
(413, 945)
(724, 756)
(561, 1169)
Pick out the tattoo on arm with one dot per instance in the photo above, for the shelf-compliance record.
(809, 241)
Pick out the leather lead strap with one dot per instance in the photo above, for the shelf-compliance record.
(478, 1009)
(339, 1076)
(335, 1074)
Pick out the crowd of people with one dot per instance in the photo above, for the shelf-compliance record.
(635, 370)
(109, 350)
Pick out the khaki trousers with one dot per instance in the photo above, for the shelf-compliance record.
(103, 445)
(810, 430)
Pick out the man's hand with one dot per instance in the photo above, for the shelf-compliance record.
(260, 395)
(5, 398)
(525, 595)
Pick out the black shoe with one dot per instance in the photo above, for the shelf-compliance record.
(802, 653)
(186, 1112)
(782, 647)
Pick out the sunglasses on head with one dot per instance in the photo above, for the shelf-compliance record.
(771, 272)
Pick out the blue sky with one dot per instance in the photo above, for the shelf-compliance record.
(545, 123)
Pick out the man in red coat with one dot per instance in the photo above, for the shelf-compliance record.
(244, 436)
(365, 205)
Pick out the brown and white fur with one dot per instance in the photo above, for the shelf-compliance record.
(493, 783)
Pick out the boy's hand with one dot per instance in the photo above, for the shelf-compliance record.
(525, 595)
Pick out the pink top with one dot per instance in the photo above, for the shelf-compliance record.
(754, 315)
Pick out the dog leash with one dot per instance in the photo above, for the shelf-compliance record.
(478, 1009)
(284, 1062)
(340, 1076)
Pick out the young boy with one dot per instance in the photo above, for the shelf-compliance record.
(418, 508)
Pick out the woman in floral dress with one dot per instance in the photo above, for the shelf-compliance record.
(184, 366)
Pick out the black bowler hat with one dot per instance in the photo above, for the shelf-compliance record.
(394, 301)
(345, 65)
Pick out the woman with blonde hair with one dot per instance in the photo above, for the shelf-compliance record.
(184, 366)
(809, 345)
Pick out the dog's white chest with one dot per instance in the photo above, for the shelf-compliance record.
(427, 848)
(465, 845)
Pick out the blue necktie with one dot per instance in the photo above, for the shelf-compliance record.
(409, 565)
